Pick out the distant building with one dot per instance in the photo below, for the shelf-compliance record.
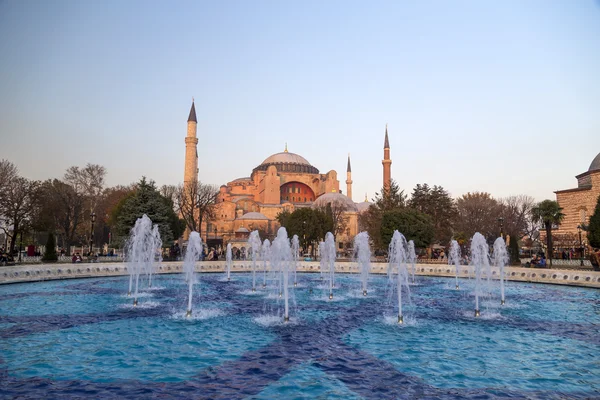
(283, 181)
(578, 204)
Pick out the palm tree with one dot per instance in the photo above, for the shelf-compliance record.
(549, 213)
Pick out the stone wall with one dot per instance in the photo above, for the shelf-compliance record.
(44, 272)
(578, 205)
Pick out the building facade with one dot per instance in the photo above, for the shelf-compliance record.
(283, 181)
(578, 204)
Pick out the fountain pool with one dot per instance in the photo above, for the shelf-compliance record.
(83, 337)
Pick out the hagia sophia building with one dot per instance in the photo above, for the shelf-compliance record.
(283, 181)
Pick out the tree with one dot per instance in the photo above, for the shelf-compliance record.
(336, 210)
(391, 197)
(437, 203)
(50, 253)
(195, 202)
(388, 199)
(62, 210)
(17, 206)
(478, 212)
(8, 172)
(309, 224)
(110, 198)
(513, 250)
(147, 200)
(548, 213)
(593, 229)
(413, 224)
(88, 181)
(516, 214)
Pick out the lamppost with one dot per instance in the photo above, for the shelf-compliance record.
(93, 218)
(501, 221)
(580, 245)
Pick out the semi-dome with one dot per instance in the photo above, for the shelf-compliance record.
(335, 198)
(595, 163)
(364, 206)
(254, 216)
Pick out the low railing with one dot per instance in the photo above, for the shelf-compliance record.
(69, 259)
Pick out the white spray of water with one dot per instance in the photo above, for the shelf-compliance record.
(228, 259)
(281, 257)
(480, 261)
(192, 254)
(363, 257)
(500, 260)
(329, 250)
(398, 250)
(254, 242)
(295, 250)
(454, 258)
(266, 256)
(412, 257)
(322, 258)
(143, 242)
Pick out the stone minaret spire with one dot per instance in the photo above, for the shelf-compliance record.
(349, 179)
(387, 162)
(191, 150)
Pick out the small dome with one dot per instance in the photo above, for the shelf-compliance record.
(285, 157)
(242, 230)
(595, 163)
(336, 198)
(247, 178)
(364, 206)
(254, 216)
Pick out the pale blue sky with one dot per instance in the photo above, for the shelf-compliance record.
(476, 93)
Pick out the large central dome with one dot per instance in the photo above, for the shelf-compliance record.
(285, 157)
(287, 162)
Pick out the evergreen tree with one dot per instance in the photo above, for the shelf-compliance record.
(50, 253)
(388, 199)
(414, 225)
(594, 227)
(147, 200)
(437, 203)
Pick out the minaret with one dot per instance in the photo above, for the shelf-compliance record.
(349, 179)
(387, 162)
(191, 150)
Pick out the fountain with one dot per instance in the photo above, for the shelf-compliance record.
(398, 257)
(412, 258)
(295, 250)
(362, 252)
(266, 255)
(322, 259)
(500, 260)
(454, 258)
(329, 260)
(143, 242)
(479, 260)
(228, 260)
(192, 255)
(63, 337)
(281, 257)
(254, 242)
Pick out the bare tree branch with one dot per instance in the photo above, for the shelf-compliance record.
(195, 202)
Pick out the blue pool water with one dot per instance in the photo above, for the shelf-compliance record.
(83, 338)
